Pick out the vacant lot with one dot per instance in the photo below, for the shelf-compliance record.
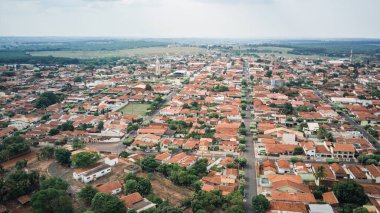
(29, 157)
(166, 190)
(134, 109)
(151, 51)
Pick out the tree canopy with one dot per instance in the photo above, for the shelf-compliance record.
(260, 204)
(55, 183)
(51, 200)
(87, 193)
(350, 192)
(46, 99)
(105, 203)
(84, 159)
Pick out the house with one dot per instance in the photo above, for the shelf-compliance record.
(287, 207)
(344, 152)
(290, 186)
(137, 202)
(111, 159)
(338, 170)
(355, 172)
(330, 198)
(163, 158)
(374, 172)
(111, 188)
(305, 198)
(319, 208)
(283, 166)
(92, 172)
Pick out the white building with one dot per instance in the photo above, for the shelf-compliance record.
(92, 172)
(111, 160)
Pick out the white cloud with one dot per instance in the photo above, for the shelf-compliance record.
(191, 18)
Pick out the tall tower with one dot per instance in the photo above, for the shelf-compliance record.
(158, 67)
(351, 57)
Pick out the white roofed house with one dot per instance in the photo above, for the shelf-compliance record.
(92, 172)
(111, 159)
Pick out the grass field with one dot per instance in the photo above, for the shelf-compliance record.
(134, 109)
(151, 51)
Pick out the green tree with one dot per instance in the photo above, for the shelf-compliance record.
(21, 164)
(361, 210)
(78, 79)
(298, 151)
(19, 183)
(51, 200)
(63, 156)
(78, 144)
(46, 99)
(148, 87)
(288, 109)
(84, 159)
(199, 168)
(149, 164)
(320, 174)
(46, 153)
(54, 131)
(350, 192)
(105, 203)
(100, 126)
(131, 186)
(260, 204)
(54, 183)
(67, 126)
(87, 193)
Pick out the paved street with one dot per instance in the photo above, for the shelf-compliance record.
(351, 122)
(250, 188)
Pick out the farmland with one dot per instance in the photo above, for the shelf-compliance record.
(149, 51)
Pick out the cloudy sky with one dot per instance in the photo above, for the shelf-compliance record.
(192, 18)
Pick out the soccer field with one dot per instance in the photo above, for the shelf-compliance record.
(135, 109)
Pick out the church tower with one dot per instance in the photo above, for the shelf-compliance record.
(158, 72)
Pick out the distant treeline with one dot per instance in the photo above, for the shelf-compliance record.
(86, 45)
(326, 48)
(19, 57)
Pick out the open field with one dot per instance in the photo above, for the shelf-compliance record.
(134, 109)
(150, 51)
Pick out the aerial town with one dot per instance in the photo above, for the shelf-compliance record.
(210, 132)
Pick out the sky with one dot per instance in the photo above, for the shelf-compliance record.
(252, 19)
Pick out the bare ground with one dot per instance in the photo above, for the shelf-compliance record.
(166, 190)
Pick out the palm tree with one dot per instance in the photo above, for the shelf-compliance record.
(320, 174)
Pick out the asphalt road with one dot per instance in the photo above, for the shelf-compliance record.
(250, 187)
(352, 122)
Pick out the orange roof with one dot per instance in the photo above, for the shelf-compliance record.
(329, 197)
(286, 183)
(109, 187)
(163, 156)
(288, 206)
(293, 197)
(276, 177)
(339, 147)
(284, 164)
(131, 199)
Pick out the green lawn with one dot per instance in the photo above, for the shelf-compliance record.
(149, 51)
(134, 109)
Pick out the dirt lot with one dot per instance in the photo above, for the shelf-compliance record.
(29, 157)
(165, 189)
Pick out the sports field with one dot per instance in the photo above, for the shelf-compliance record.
(135, 109)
